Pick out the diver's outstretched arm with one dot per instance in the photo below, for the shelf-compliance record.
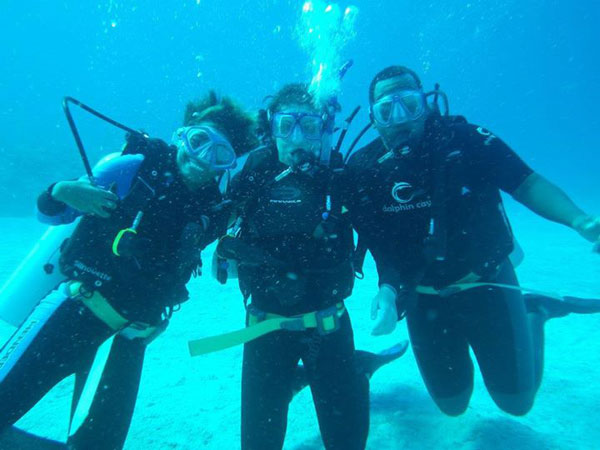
(549, 201)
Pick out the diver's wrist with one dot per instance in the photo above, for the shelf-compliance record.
(579, 222)
(388, 287)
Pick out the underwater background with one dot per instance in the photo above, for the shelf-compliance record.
(527, 70)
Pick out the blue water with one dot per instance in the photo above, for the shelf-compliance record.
(528, 70)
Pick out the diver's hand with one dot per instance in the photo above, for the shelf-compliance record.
(384, 311)
(589, 228)
(83, 196)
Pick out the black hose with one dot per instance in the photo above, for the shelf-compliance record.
(82, 152)
(356, 140)
(348, 121)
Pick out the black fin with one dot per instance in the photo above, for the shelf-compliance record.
(13, 437)
(553, 307)
(368, 363)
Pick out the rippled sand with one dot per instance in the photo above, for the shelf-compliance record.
(190, 403)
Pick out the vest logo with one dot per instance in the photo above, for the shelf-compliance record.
(91, 270)
(285, 195)
(487, 134)
(403, 192)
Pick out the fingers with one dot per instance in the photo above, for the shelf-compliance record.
(108, 204)
(378, 330)
(99, 211)
(385, 325)
(389, 325)
(384, 310)
(374, 307)
(103, 203)
(110, 196)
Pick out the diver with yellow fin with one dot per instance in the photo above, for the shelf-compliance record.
(147, 213)
(288, 207)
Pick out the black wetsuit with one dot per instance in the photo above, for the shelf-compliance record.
(285, 219)
(460, 168)
(62, 335)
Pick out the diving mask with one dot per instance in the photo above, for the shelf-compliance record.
(311, 125)
(398, 107)
(206, 145)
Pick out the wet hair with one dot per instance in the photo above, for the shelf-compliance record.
(392, 72)
(233, 121)
(292, 93)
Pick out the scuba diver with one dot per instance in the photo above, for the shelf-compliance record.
(293, 247)
(145, 219)
(425, 200)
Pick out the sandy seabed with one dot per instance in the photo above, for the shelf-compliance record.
(191, 403)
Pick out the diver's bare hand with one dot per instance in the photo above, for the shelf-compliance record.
(589, 228)
(384, 311)
(83, 196)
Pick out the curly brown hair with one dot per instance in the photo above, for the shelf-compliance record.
(232, 120)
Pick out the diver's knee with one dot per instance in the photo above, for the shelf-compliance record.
(517, 404)
(455, 405)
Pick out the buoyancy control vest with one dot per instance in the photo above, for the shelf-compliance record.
(296, 219)
(146, 270)
(472, 229)
(466, 228)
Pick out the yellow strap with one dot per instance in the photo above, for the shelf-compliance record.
(223, 341)
(115, 245)
(99, 306)
(309, 320)
(104, 311)
(256, 329)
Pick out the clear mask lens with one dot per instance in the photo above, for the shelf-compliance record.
(207, 146)
(284, 125)
(398, 108)
(311, 125)
(383, 111)
(413, 104)
(223, 155)
(198, 141)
